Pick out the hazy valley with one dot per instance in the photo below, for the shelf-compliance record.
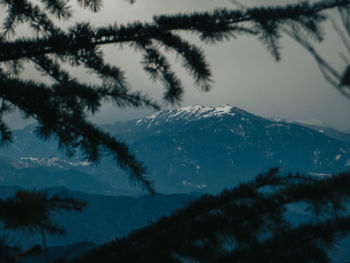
(188, 151)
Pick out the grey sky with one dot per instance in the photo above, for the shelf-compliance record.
(244, 73)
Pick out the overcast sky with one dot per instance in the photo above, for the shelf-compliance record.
(244, 73)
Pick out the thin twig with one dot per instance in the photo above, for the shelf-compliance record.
(341, 34)
(344, 58)
(3, 35)
(328, 72)
(43, 236)
(345, 19)
(238, 4)
(328, 77)
(319, 59)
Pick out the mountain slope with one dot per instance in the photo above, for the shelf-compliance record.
(41, 176)
(208, 148)
(199, 148)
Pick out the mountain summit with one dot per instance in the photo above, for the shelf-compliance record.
(195, 112)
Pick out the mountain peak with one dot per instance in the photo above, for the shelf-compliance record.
(201, 112)
(194, 112)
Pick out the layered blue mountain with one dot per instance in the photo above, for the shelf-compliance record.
(195, 148)
(103, 219)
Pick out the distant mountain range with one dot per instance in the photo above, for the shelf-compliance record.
(330, 132)
(190, 149)
(65, 252)
(104, 218)
(187, 150)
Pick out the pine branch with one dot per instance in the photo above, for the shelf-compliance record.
(194, 60)
(205, 23)
(251, 217)
(65, 119)
(158, 67)
(32, 210)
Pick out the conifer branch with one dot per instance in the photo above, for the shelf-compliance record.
(248, 223)
(69, 101)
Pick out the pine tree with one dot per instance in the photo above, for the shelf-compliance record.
(61, 107)
(32, 212)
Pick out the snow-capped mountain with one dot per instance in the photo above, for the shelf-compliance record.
(201, 148)
(189, 113)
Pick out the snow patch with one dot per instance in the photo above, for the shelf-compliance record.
(338, 157)
(320, 174)
(189, 184)
(347, 162)
(220, 111)
(188, 113)
(275, 125)
(316, 154)
(50, 162)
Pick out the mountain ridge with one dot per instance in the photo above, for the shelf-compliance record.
(103, 219)
(200, 148)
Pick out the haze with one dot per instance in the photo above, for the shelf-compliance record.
(244, 73)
